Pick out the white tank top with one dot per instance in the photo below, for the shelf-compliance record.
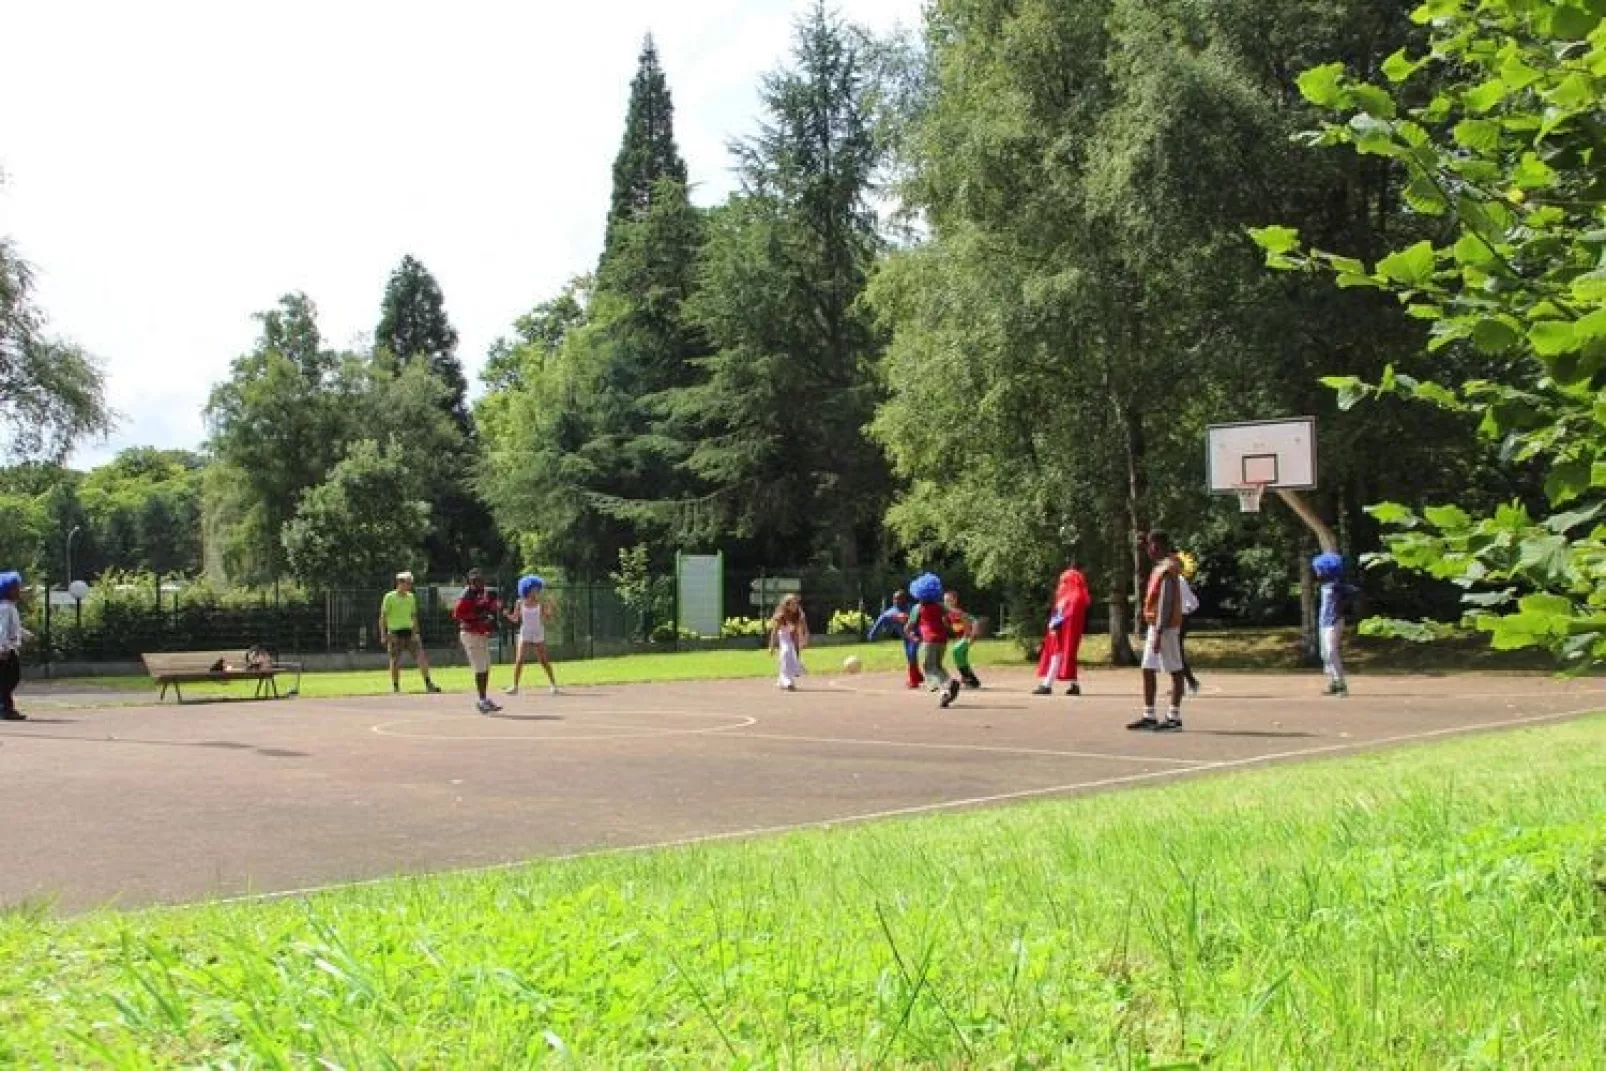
(532, 628)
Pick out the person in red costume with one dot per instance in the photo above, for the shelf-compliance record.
(1064, 638)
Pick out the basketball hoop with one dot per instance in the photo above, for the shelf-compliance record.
(1249, 495)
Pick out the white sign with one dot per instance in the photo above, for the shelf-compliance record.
(700, 592)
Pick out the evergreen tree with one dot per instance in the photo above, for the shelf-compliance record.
(775, 425)
(648, 153)
(413, 326)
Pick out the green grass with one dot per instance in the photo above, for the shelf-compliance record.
(1430, 907)
(1239, 649)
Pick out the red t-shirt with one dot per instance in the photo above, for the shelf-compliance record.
(476, 611)
(933, 623)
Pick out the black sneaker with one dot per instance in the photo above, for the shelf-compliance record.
(12, 715)
(1170, 725)
(1145, 722)
(432, 688)
(972, 681)
(1042, 689)
(949, 694)
(1074, 689)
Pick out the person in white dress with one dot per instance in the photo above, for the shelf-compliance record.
(531, 613)
(789, 634)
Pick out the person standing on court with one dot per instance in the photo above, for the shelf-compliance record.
(476, 613)
(1162, 645)
(1063, 640)
(399, 631)
(12, 637)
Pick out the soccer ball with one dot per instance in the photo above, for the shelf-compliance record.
(851, 664)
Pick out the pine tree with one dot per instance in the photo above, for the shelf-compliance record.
(776, 423)
(413, 326)
(648, 154)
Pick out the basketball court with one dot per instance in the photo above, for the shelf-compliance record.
(140, 804)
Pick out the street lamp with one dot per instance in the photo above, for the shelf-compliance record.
(72, 535)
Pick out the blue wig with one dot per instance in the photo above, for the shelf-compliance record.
(1327, 566)
(927, 587)
(528, 584)
(10, 584)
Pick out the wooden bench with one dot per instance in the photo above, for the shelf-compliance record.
(192, 667)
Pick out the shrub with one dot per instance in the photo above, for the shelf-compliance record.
(743, 626)
(844, 622)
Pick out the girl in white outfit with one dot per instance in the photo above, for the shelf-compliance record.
(531, 613)
(789, 633)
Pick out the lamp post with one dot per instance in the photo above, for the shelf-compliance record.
(72, 535)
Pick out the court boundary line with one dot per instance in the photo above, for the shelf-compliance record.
(937, 807)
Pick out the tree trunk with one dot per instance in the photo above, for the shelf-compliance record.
(1136, 493)
(1309, 640)
(1122, 652)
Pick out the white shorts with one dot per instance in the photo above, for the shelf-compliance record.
(529, 635)
(478, 649)
(1168, 659)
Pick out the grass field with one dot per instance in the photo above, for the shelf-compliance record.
(1440, 906)
(1241, 649)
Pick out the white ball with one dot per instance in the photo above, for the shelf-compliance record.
(851, 664)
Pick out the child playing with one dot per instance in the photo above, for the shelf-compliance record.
(962, 627)
(789, 632)
(1335, 607)
(932, 620)
(531, 614)
(897, 621)
(12, 637)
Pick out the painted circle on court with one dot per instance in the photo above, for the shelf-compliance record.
(472, 728)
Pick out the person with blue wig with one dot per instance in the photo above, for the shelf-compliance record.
(1337, 604)
(531, 613)
(932, 621)
(12, 637)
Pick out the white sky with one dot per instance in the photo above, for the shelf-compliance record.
(173, 166)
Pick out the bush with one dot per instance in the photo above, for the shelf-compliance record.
(845, 622)
(743, 626)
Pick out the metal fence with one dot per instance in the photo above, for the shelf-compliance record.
(590, 618)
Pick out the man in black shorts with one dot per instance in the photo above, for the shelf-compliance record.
(399, 631)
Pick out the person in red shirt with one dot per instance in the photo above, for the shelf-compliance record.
(476, 612)
(932, 621)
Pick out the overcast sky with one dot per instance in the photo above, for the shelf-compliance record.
(172, 167)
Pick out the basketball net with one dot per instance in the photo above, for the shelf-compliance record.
(1249, 495)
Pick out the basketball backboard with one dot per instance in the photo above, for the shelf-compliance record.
(1279, 454)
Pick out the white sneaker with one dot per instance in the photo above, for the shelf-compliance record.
(484, 706)
(554, 690)
(513, 690)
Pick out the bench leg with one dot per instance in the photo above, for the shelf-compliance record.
(164, 692)
(178, 692)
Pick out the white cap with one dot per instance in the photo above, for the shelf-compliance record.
(405, 576)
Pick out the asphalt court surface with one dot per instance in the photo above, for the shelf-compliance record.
(133, 805)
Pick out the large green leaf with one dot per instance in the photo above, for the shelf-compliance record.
(1412, 267)
(1552, 337)
(1323, 86)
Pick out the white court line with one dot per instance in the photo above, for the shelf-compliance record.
(642, 732)
(897, 812)
(996, 748)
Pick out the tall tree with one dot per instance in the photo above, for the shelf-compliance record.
(648, 154)
(278, 424)
(413, 326)
(52, 394)
(775, 425)
(1088, 299)
(579, 393)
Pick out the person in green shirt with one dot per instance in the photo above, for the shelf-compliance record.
(399, 631)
